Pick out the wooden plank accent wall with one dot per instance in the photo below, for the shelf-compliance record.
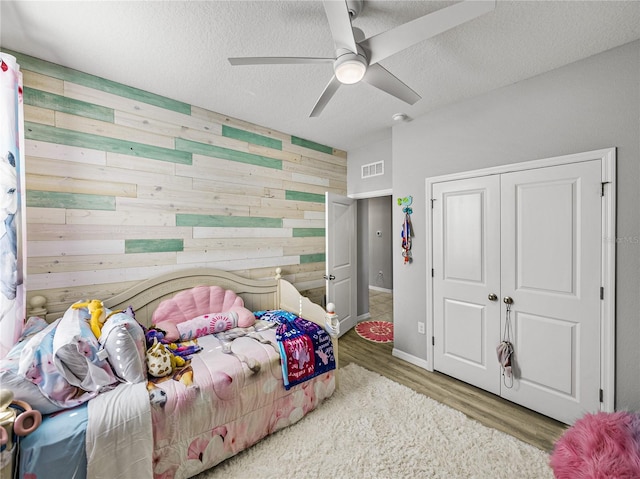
(123, 185)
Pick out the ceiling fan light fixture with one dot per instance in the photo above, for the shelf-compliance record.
(350, 68)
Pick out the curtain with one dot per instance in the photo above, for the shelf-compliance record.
(12, 204)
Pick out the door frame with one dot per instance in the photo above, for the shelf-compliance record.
(607, 156)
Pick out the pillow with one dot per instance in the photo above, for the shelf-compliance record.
(76, 352)
(197, 301)
(207, 324)
(36, 365)
(23, 389)
(122, 340)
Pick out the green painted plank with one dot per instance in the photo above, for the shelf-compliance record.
(307, 232)
(184, 219)
(312, 258)
(250, 137)
(227, 154)
(303, 196)
(74, 76)
(153, 245)
(53, 199)
(55, 102)
(311, 145)
(61, 136)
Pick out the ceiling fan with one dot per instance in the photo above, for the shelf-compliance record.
(356, 58)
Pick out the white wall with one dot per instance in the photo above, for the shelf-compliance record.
(587, 105)
(370, 153)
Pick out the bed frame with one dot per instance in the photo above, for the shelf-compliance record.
(257, 294)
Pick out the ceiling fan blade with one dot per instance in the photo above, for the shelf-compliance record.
(277, 60)
(382, 79)
(397, 39)
(327, 94)
(340, 24)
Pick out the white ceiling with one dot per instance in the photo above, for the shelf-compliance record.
(179, 49)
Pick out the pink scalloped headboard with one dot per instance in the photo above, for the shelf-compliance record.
(197, 301)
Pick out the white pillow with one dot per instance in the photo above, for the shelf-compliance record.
(123, 341)
(207, 324)
(76, 353)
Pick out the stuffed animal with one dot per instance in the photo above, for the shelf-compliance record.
(97, 312)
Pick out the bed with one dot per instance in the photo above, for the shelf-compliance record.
(238, 388)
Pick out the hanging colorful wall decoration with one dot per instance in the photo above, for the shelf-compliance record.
(407, 228)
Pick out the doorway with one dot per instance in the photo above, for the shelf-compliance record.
(376, 258)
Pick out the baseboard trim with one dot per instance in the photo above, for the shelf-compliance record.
(384, 290)
(421, 363)
(364, 317)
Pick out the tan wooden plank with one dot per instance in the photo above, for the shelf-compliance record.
(202, 232)
(71, 185)
(42, 82)
(141, 109)
(44, 232)
(122, 216)
(213, 167)
(171, 129)
(75, 247)
(54, 151)
(51, 216)
(272, 153)
(244, 125)
(190, 198)
(319, 190)
(61, 264)
(313, 171)
(339, 159)
(309, 180)
(222, 185)
(60, 298)
(39, 166)
(340, 167)
(269, 212)
(314, 215)
(303, 223)
(110, 130)
(88, 279)
(40, 115)
(288, 205)
(136, 163)
(162, 206)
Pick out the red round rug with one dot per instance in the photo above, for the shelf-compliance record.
(376, 331)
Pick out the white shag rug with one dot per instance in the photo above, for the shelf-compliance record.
(374, 428)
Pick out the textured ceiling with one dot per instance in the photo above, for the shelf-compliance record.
(179, 49)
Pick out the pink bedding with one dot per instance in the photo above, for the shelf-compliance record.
(235, 400)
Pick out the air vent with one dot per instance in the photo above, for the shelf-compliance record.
(373, 169)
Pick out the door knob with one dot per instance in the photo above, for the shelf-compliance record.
(508, 300)
(329, 277)
(493, 297)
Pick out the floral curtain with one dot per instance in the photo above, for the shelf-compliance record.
(12, 204)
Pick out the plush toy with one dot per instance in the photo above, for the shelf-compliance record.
(97, 312)
(165, 358)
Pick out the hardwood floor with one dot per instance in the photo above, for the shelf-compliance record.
(488, 409)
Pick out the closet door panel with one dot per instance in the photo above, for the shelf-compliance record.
(550, 264)
(466, 242)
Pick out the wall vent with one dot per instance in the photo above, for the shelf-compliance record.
(373, 169)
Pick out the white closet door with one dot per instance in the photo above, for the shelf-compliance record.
(551, 256)
(466, 255)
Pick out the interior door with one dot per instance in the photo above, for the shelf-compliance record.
(341, 254)
(533, 237)
(466, 255)
(551, 256)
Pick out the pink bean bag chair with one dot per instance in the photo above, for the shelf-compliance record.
(599, 446)
(197, 305)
